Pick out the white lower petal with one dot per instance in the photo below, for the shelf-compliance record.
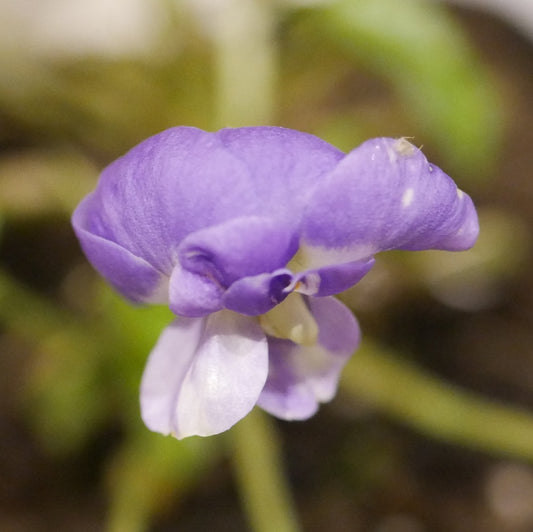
(204, 375)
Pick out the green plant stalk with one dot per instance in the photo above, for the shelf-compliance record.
(435, 408)
(245, 58)
(150, 474)
(261, 480)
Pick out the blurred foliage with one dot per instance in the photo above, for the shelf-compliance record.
(347, 70)
(444, 90)
(436, 408)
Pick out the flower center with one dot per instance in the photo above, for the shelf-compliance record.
(291, 320)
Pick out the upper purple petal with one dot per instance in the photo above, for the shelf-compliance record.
(385, 195)
(168, 186)
(285, 164)
(184, 180)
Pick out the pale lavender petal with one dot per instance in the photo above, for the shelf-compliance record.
(131, 275)
(165, 370)
(204, 375)
(385, 195)
(301, 377)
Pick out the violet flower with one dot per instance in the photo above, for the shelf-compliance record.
(246, 233)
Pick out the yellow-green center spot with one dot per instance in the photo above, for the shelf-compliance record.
(299, 262)
(291, 320)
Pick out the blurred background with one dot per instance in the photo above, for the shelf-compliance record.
(432, 429)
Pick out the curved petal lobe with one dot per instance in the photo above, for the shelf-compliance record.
(258, 294)
(238, 248)
(204, 375)
(385, 195)
(244, 255)
(334, 279)
(300, 377)
(131, 275)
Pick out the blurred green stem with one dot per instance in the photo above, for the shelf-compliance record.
(261, 481)
(438, 409)
(245, 62)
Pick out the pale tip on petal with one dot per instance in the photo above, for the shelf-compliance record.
(407, 197)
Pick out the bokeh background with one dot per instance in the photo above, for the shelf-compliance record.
(432, 429)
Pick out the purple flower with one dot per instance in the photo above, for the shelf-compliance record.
(245, 234)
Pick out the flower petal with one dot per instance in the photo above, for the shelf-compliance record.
(300, 377)
(243, 251)
(184, 179)
(168, 186)
(286, 164)
(204, 375)
(193, 295)
(385, 195)
(258, 294)
(238, 248)
(334, 279)
(131, 275)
